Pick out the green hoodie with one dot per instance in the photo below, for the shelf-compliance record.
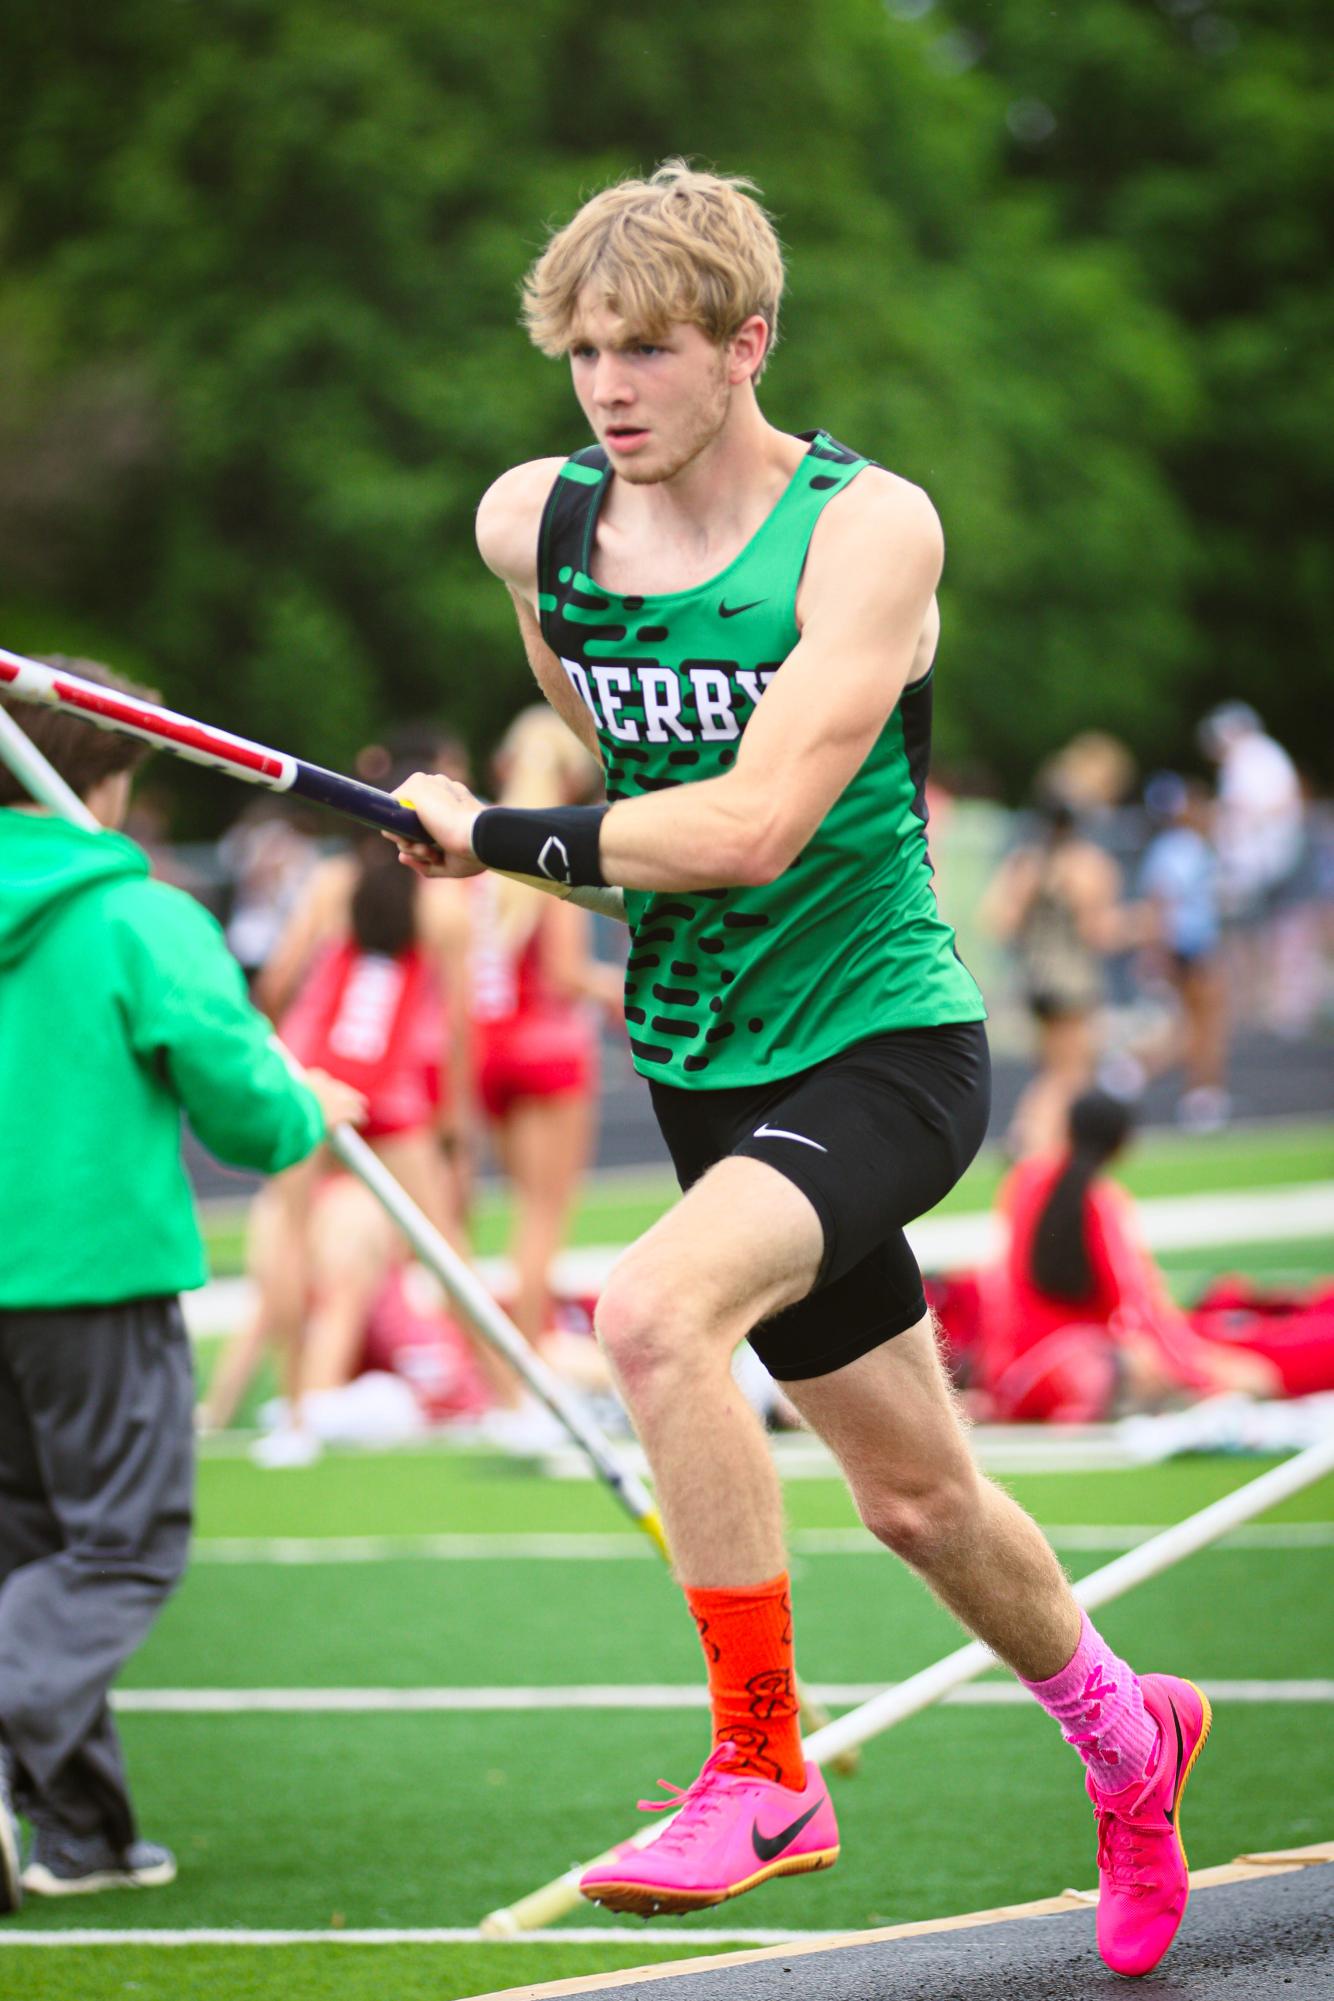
(120, 1007)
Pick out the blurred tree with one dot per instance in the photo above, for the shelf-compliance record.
(1195, 135)
(262, 266)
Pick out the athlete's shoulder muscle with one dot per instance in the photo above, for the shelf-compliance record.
(876, 544)
(877, 520)
(508, 520)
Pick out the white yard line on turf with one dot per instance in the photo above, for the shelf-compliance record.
(636, 1695)
(615, 1548)
(1169, 1222)
(438, 1935)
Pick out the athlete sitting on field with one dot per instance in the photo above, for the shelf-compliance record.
(1077, 1322)
(743, 623)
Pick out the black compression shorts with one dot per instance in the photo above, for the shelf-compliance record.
(873, 1137)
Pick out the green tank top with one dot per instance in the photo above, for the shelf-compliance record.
(747, 985)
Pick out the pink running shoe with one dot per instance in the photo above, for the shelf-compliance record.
(731, 1832)
(1143, 1876)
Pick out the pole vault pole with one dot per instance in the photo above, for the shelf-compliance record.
(553, 1900)
(241, 758)
(29, 680)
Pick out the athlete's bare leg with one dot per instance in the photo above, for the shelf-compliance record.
(281, 1268)
(546, 1144)
(890, 1418)
(1204, 1000)
(416, 1163)
(423, 1173)
(743, 1243)
(352, 1246)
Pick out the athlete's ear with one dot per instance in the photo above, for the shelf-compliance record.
(746, 349)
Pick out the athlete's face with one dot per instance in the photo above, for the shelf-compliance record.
(653, 405)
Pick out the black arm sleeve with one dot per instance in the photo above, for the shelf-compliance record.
(560, 843)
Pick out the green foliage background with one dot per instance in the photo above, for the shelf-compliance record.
(259, 353)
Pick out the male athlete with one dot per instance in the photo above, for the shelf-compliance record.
(742, 623)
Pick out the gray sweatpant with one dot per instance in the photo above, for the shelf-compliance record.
(96, 1485)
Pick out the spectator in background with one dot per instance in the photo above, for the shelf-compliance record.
(533, 977)
(1259, 832)
(1179, 883)
(1054, 901)
(120, 1008)
(1259, 805)
(418, 746)
(1095, 774)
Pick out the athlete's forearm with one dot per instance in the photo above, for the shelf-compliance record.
(715, 834)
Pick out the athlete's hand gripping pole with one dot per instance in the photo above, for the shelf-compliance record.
(553, 1900)
(239, 757)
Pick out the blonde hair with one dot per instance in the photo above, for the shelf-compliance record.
(680, 247)
(539, 763)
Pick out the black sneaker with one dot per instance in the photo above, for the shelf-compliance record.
(11, 1886)
(69, 1865)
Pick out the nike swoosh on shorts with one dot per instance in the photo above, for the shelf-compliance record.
(777, 1132)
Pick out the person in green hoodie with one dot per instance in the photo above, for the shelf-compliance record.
(120, 1010)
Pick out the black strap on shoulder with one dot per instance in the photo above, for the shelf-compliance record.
(563, 536)
(822, 446)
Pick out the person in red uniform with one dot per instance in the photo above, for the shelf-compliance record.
(368, 982)
(1077, 1319)
(533, 976)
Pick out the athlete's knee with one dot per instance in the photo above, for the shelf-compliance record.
(652, 1327)
(922, 1521)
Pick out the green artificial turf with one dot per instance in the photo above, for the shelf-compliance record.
(407, 1820)
(397, 1821)
(440, 1491)
(411, 1624)
(314, 1972)
(616, 1207)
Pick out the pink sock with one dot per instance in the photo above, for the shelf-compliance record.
(1096, 1700)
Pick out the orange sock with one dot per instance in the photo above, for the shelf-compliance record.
(747, 1640)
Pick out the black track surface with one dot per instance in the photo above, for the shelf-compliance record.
(1270, 1939)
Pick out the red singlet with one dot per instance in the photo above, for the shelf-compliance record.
(378, 1024)
(530, 1042)
(1043, 1357)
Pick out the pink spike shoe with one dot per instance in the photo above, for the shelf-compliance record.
(1143, 1876)
(731, 1832)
